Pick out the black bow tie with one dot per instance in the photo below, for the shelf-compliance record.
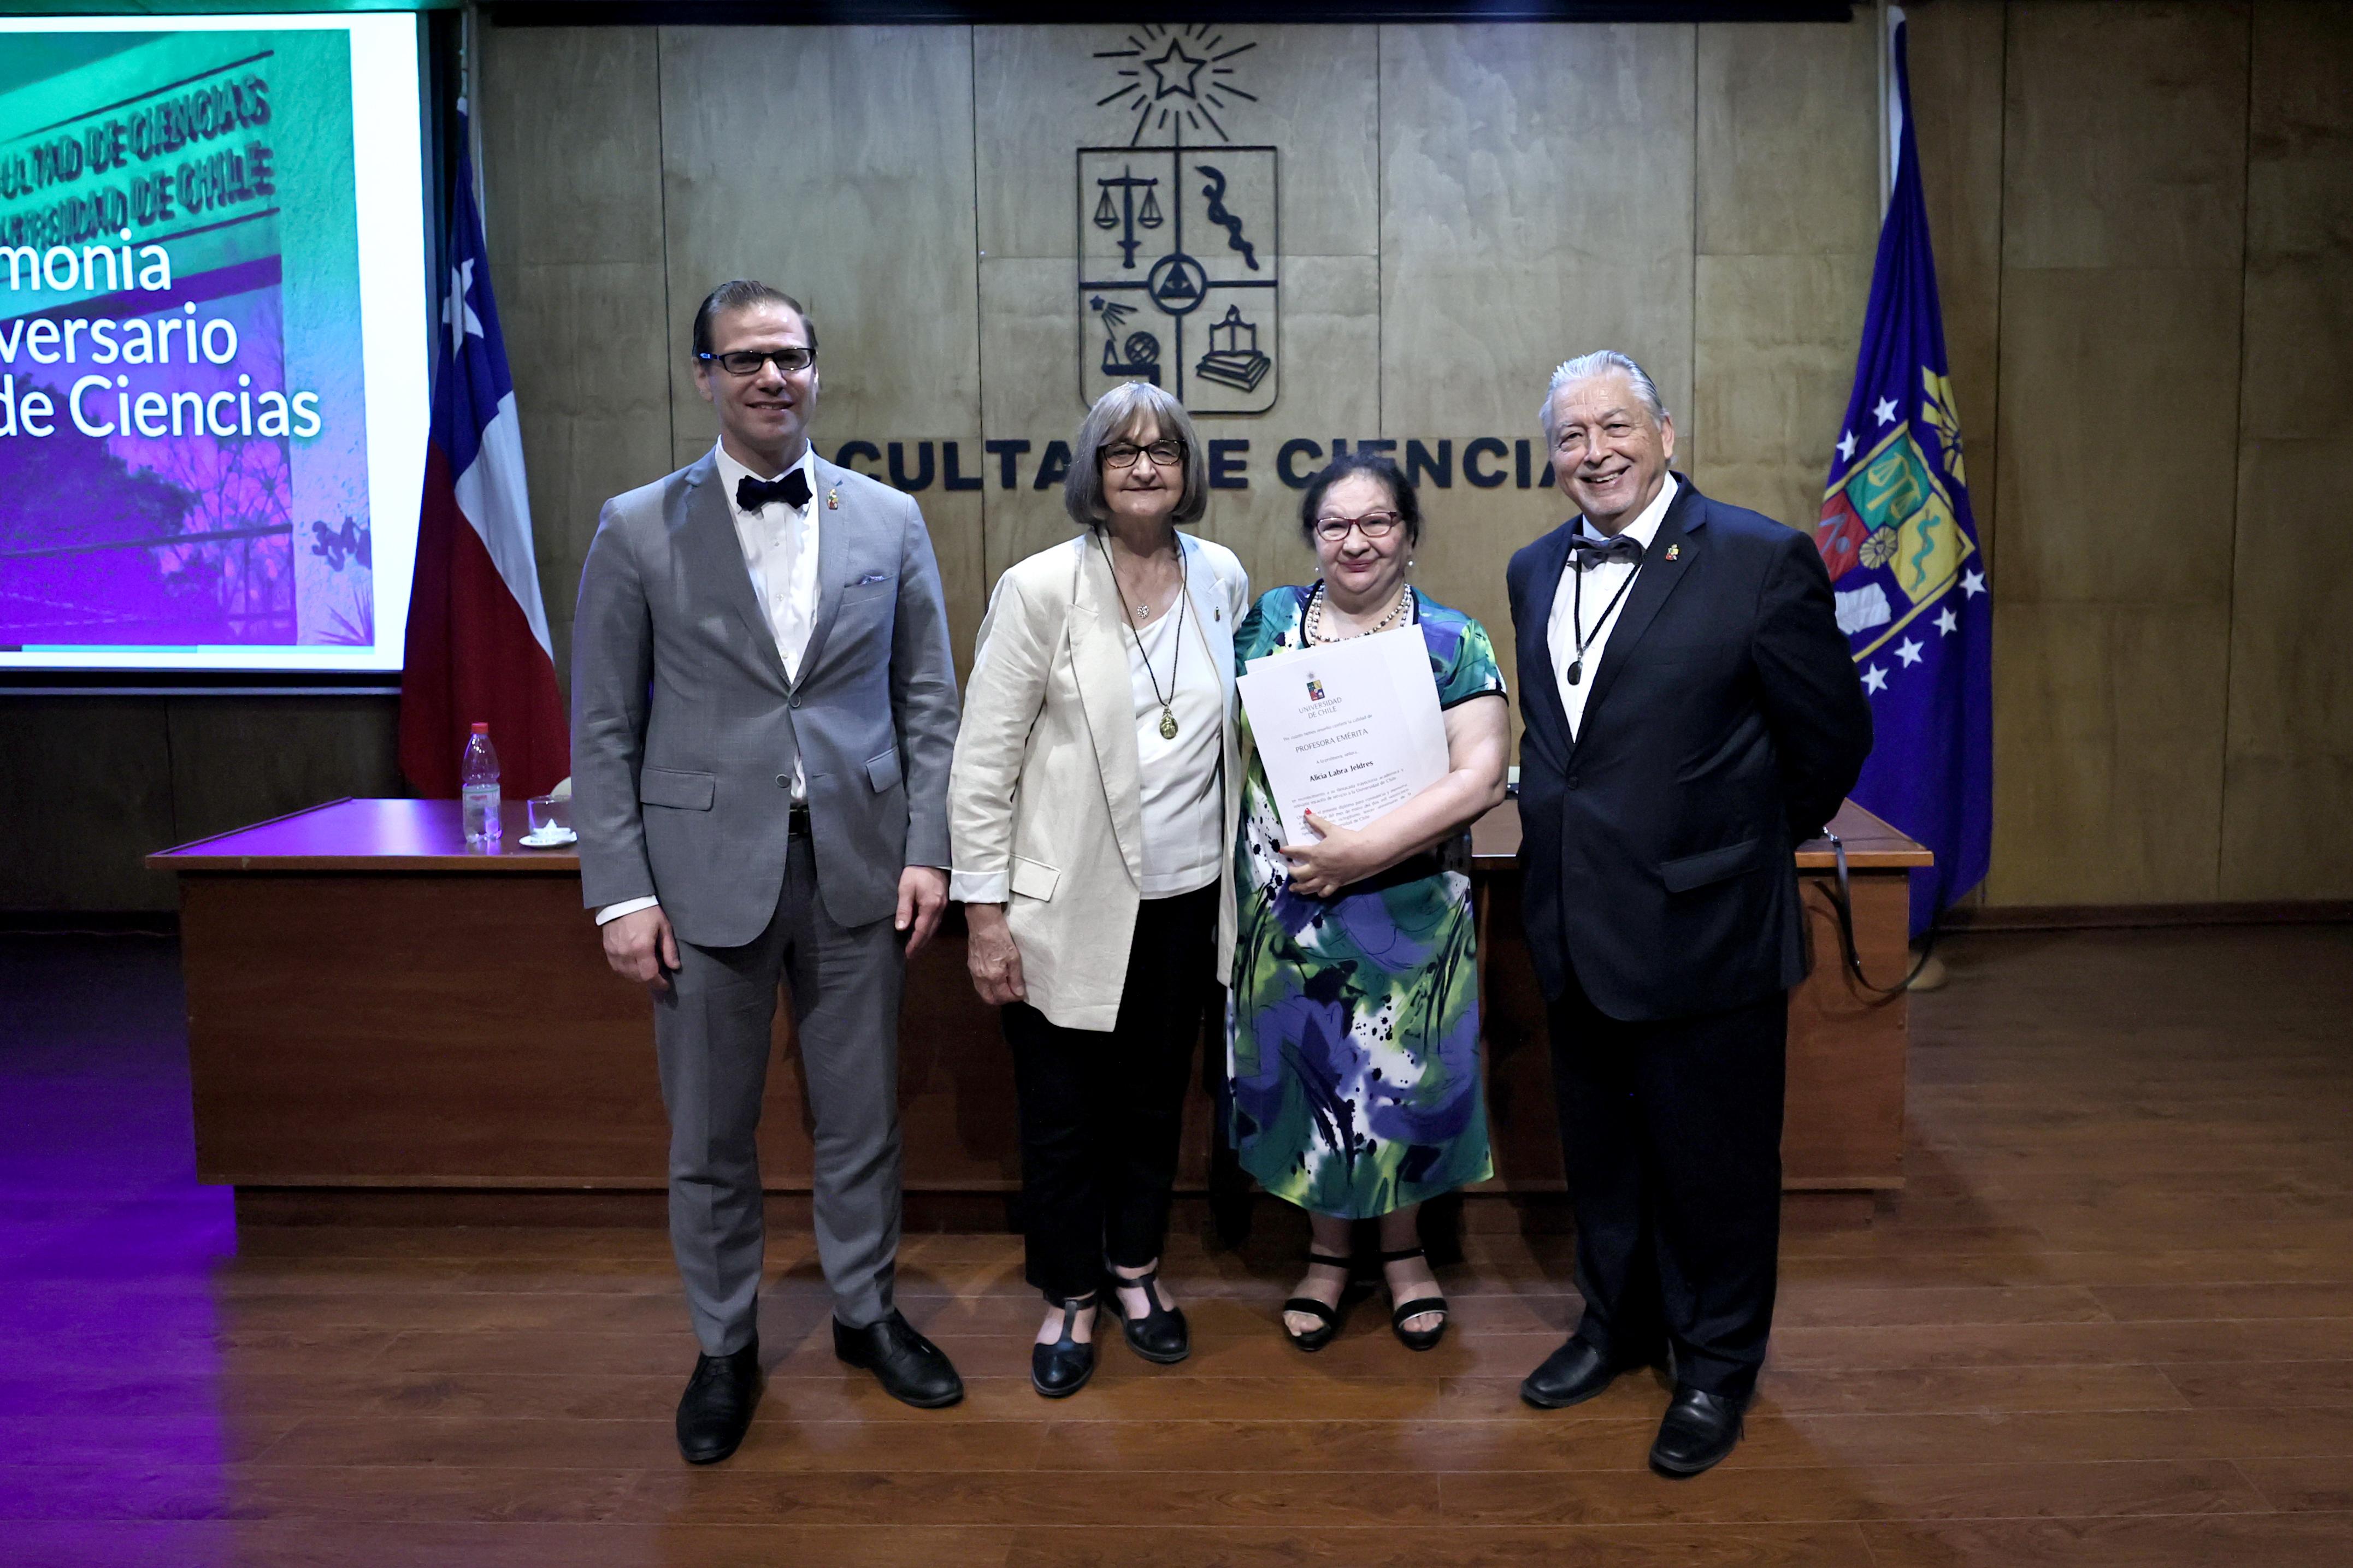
(1592, 553)
(752, 494)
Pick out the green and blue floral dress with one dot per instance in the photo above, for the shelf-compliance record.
(1353, 1026)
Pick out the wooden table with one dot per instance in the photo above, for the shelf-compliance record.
(1843, 1111)
(372, 1006)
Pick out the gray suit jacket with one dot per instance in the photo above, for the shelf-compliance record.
(684, 728)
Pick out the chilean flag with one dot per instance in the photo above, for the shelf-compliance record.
(478, 643)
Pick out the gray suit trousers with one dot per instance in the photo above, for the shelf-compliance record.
(711, 1031)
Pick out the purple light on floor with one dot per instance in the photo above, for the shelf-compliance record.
(113, 1436)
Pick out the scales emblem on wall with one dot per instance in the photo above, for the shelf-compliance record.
(1178, 250)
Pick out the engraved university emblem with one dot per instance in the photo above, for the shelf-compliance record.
(1178, 250)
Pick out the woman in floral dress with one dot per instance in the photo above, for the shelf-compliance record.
(1353, 1028)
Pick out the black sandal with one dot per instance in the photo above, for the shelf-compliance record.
(1327, 1316)
(1160, 1334)
(1415, 1339)
(1061, 1369)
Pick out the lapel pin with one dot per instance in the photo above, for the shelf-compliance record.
(833, 501)
(1674, 551)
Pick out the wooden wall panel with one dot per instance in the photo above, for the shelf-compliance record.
(85, 793)
(1775, 349)
(1537, 202)
(2287, 794)
(2126, 134)
(571, 133)
(837, 163)
(240, 760)
(1030, 92)
(1788, 223)
(2124, 189)
(90, 785)
(1312, 97)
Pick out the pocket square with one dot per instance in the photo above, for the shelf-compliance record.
(871, 577)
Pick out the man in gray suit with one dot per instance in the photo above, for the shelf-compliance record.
(764, 708)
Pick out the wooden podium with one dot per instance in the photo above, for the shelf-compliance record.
(1843, 1112)
(374, 1008)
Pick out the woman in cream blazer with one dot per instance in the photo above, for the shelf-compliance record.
(1092, 810)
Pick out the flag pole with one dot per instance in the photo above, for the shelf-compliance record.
(1891, 105)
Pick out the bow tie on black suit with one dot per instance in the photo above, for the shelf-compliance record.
(752, 494)
(1589, 553)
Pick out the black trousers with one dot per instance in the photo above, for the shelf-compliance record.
(1100, 1112)
(1672, 1131)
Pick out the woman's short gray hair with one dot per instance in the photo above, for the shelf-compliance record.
(1601, 362)
(1115, 412)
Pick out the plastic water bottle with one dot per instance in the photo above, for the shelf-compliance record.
(478, 776)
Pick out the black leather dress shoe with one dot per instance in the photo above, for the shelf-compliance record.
(717, 1405)
(1700, 1429)
(911, 1369)
(1570, 1375)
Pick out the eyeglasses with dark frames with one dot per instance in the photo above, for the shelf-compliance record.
(1164, 454)
(1372, 525)
(790, 360)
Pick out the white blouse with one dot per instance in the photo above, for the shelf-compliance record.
(1179, 782)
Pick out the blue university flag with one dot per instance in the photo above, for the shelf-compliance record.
(1900, 543)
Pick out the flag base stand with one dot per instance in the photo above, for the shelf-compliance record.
(1931, 974)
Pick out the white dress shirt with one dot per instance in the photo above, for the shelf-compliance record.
(1601, 585)
(1183, 809)
(780, 545)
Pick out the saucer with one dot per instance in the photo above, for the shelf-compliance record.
(548, 838)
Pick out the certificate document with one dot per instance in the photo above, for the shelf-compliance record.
(1350, 729)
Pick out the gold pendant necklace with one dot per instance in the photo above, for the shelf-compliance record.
(1167, 713)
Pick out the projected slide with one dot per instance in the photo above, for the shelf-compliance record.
(211, 343)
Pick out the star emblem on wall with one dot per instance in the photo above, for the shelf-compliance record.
(1946, 623)
(1174, 72)
(1188, 64)
(1973, 583)
(1874, 680)
(1909, 651)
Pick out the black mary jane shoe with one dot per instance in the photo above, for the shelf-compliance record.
(1159, 1333)
(1327, 1317)
(1061, 1369)
(1420, 1306)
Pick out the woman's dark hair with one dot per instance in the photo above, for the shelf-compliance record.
(1380, 466)
(735, 296)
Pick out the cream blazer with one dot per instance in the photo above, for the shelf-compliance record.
(1045, 813)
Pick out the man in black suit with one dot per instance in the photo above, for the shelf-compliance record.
(1692, 713)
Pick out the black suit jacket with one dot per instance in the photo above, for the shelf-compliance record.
(1725, 724)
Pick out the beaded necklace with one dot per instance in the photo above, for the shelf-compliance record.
(1312, 621)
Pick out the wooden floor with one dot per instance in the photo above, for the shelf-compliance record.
(2110, 1322)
